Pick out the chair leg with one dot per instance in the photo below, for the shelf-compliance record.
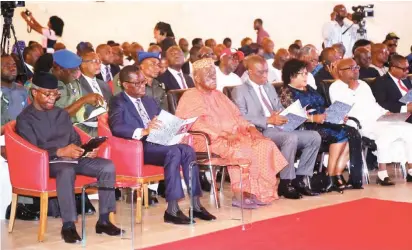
(13, 212)
(322, 157)
(139, 206)
(214, 187)
(112, 218)
(146, 195)
(44, 205)
(222, 181)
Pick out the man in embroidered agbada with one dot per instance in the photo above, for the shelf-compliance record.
(232, 137)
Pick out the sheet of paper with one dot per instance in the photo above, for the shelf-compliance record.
(294, 121)
(394, 117)
(407, 98)
(295, 108)
(172, 131)
(336, 112)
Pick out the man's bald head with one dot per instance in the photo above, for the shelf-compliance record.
(175, 57)
(341, 12)
(281, 57)
(105, 53)
(268, 45)
(257, 69)
(134, 49)
(380, 53)
(329, 55)
(59, 46)
(362, 57)
(348, 70)
(211, 43)
(154, 49)
(206, 52)
(118, 55)
(184, 45)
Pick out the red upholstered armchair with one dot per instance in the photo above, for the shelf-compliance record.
(127, 156)
(29, 173)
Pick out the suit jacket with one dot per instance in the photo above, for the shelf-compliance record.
(114, 69)
(186, 68)
(171, 83)
(86, 89)
(123, 116)
(387, 93)
(322, 74)
(246, 99)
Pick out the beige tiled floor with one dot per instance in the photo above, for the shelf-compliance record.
(155, 231)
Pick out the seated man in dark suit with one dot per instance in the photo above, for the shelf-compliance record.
(30, 55)
(329, 57)
(363, 58)
(389, 88)
(106, 56)
(132, 115)
(174, 78)
(50, 128)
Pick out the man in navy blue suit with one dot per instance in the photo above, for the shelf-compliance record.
(132, 115)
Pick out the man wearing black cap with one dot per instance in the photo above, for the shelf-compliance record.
(50, 128)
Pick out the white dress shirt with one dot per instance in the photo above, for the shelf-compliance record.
(256, 88)
(332, 33)
(223, 80)
(381, 71)
(29, 67)
(93, 84)
(365, 108)
(311, 81)
(178, 78)
(137, 134)
(404, 108)
(274, 74)
(103, 72)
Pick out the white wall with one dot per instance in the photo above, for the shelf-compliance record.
(134, 21)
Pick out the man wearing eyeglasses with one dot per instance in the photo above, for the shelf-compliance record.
(389, 88)
(393, 138)
(391, 40)
(133, 115)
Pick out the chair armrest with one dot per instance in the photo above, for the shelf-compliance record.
(28, 164)
(356, 121)
(200, 133)
(84, 137)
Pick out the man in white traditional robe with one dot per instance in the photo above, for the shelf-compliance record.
(393, 138)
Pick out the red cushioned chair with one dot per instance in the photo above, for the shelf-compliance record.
(29, 173)
(127, 156)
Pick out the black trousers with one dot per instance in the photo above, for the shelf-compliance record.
(65, 174)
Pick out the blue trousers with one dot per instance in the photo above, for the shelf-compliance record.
(172, 157)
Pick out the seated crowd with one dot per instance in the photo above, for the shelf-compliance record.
(238, 95)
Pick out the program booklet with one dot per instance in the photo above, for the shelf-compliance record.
(172, 130)
(337, 112)
(296, 115)
(394, 117)
(90, 121)
(407, 98)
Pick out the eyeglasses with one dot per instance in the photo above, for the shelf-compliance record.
(353, 68)
(207, 55)
(92, 61)
(50, 94)
(403, 69)
(304, 73)
(137, 84)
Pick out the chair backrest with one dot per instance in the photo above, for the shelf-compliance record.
(370, 81)
(277, 86)
(173, 97)
(228, 91)
(103, 128)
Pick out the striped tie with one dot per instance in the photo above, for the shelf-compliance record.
(142, 112)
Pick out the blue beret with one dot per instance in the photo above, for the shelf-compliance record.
(66, 59)
(144, 55)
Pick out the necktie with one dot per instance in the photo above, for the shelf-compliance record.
(96, 88)
(142, 112)
(108, 77)
(183, 80)
(401, 86)
(265, 101)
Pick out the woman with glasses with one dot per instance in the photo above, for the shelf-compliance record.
(344, 142)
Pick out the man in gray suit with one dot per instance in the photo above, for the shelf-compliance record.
(89, 68)
(258, 102)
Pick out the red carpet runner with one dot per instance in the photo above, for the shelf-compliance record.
(358, 225)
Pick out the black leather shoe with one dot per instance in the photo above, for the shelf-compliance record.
(108, 228)
(179, 219)
(22, 213)
(204, 183)
(353, 185)
(302, 188)
(70, 235)
(203, 214)
(385, 182)
(408, 178)
(287, 190)
(333, 185)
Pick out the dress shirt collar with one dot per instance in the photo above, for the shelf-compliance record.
(396, 80)
(89, 79)
(175, 72)
(29, 67)
(132, 98)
